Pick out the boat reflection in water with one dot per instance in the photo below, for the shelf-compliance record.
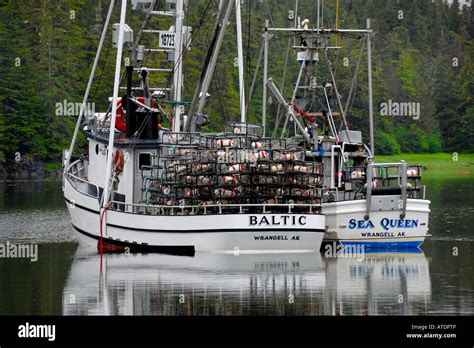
(251, 284)
(384, 283)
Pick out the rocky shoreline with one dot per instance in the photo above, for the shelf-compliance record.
(27, 170)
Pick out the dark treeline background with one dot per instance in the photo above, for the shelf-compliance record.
(423, 52)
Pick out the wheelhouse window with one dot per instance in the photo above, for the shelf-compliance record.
(144, 159)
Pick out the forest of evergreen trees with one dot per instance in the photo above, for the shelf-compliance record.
(423, 52)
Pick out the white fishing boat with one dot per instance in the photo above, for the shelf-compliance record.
(389, 212)
(366, 203)
(155, 180)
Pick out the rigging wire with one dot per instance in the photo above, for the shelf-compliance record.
(217, 82)
(104, 64)
(351, 96)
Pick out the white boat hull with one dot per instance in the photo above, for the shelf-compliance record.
(236, 233)
(345, 223)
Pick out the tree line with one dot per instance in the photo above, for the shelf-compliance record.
(423, 53)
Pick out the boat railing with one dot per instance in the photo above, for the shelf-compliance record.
(78, 167)
(402, 178)
(81, 185)
(386, 179)
(214, 209)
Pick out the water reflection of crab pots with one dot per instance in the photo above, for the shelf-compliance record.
(210, 284)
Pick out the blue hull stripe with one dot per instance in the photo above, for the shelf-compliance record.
(385, 245)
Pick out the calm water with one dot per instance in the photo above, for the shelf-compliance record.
(66, 278)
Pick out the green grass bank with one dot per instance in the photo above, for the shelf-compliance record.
(457, 164)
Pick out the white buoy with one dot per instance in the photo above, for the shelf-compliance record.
(278, 168)
(229, 179)
(226, 143)
(224, 193)
(260, 155)
(288, 157)
(235, 168)
(201, 168)
(300, 169)
(357, 174)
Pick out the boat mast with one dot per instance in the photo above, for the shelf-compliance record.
(265, 77)
(319, 15)
(110, 148)
(178, 65)
(88, 88)
(240, 59)
(369, 81)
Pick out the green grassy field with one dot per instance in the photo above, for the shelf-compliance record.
(437, 163)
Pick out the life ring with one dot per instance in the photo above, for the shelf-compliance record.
(119, 161)
(120, 122)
